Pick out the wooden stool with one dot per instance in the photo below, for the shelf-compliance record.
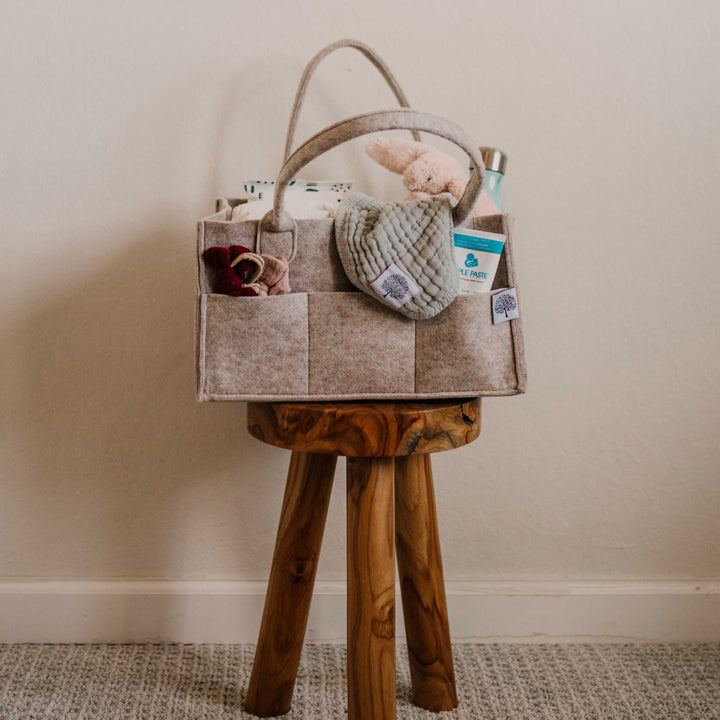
(382, 442)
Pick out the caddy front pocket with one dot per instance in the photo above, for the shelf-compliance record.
(253, 346)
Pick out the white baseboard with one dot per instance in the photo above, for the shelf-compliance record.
(190, 611)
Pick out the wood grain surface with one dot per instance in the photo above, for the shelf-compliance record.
(422, 585)
(287, 603)
(366, 429)
(371, 588)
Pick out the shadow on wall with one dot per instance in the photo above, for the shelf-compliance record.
(118, 471)
(118, 458)
(114, 469)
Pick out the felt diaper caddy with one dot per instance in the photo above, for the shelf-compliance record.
(326, 339)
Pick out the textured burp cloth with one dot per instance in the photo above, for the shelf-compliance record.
(401, 253)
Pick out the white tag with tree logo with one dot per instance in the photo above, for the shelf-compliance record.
(504, 305)
(395, 287)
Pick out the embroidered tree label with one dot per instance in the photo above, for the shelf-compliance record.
(505, 305)
(394, 286)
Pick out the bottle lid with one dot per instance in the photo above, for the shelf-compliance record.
(494, 159)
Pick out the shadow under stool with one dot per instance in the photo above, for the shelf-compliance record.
(390, 505)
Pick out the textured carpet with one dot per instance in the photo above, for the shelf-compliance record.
(495, 682)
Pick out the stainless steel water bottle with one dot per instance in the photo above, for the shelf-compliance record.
(495, 161)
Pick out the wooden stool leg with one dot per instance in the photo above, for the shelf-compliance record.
(422, 585)
(371, 589)
(290, 589)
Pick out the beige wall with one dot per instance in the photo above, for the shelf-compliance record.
(122, 121)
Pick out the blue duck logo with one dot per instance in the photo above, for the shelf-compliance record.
(471, 261)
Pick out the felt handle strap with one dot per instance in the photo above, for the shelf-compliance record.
(370, 54)
(278, 221)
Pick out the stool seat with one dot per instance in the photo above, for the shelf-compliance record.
(390, 506)
(366, 429)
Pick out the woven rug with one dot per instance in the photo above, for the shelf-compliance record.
(495, 682)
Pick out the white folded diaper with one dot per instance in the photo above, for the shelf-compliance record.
(303, 199)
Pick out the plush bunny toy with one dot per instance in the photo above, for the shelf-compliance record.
(426, 171)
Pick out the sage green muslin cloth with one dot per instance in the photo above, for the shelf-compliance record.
(400, 253)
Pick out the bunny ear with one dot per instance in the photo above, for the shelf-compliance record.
(394, 154)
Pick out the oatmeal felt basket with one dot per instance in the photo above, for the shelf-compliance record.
(328, 341)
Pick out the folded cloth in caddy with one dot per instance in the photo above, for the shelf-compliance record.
(303, 198)
(400, 253)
